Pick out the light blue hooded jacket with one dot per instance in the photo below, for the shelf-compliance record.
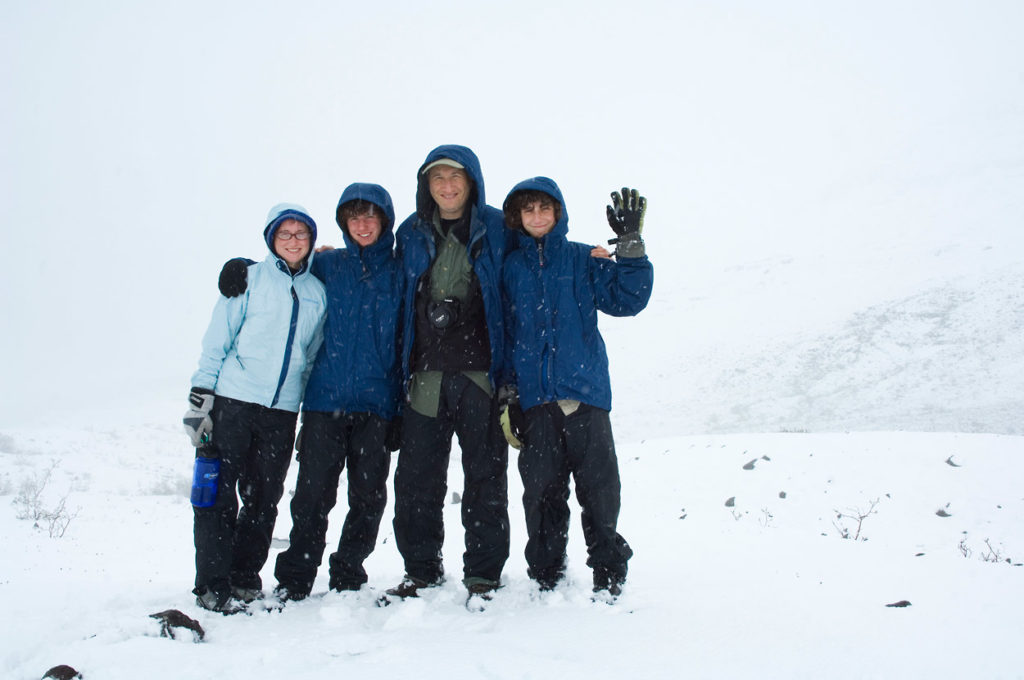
(260, 346)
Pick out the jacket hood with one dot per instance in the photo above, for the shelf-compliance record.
(547, 186)
(371, 193)
(464, 157)
(287, 211)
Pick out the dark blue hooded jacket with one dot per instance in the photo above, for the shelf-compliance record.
(356, 369)
(489, 241)
(554, 289)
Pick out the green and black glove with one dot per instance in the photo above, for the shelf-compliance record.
(513, 422)
(626, 218)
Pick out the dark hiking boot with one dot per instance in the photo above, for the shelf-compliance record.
(549, 578)
(285, 594)
(345, 586)
(246, 595)
(613, 589)
(409, 587)
(222, 603)
(481, 586)
(607, 584)
(547, 585)
(481, 592)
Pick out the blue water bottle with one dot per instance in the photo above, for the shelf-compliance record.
(204, 482)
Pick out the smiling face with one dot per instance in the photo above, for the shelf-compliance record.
(538, 218)
(364, 229)
(449, 187)
(362, 221)
(291, 242)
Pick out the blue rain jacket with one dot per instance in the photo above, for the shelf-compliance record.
(357, 369)
(554, 289)
(260, 346)
(489, 241)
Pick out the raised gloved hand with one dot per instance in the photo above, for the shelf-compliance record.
(197, 421)
(513, 422)
(626, 218)
(234, 277)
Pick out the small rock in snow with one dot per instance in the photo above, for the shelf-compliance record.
(62, 672)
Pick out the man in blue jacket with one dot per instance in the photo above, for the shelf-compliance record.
(451, 250)
(554, 289)
(351, 399)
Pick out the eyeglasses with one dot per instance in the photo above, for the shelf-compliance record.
(289, 235)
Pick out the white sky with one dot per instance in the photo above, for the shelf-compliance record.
(142, 145)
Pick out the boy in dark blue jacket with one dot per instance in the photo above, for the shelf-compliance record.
(554, 289)
(351, 398)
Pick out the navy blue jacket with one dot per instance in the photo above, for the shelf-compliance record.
(554, 289)
(489, 241)
(356, 369)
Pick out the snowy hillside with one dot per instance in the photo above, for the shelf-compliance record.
(792, 345)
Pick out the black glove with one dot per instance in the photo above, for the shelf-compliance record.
(513, 422)
(234, 277)
(394, 437)
(197, 421)
(626, 218)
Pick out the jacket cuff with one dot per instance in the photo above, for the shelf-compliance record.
(631, 245)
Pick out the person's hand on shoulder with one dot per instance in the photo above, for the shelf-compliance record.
(234, 277)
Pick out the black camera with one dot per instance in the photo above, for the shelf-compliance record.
(443, 313)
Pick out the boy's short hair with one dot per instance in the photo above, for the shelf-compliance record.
(358, 208)
(515, 203)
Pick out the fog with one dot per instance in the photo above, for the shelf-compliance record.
(143, 145)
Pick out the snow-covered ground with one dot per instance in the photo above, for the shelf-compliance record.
(741, 570)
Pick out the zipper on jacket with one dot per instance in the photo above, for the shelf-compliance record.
(288, 347)
(547, 364)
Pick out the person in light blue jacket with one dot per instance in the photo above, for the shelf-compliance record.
(257, 355)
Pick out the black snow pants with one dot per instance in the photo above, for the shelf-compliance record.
(555, 445)
(421, 483)
(329, 443)
(254, 445)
